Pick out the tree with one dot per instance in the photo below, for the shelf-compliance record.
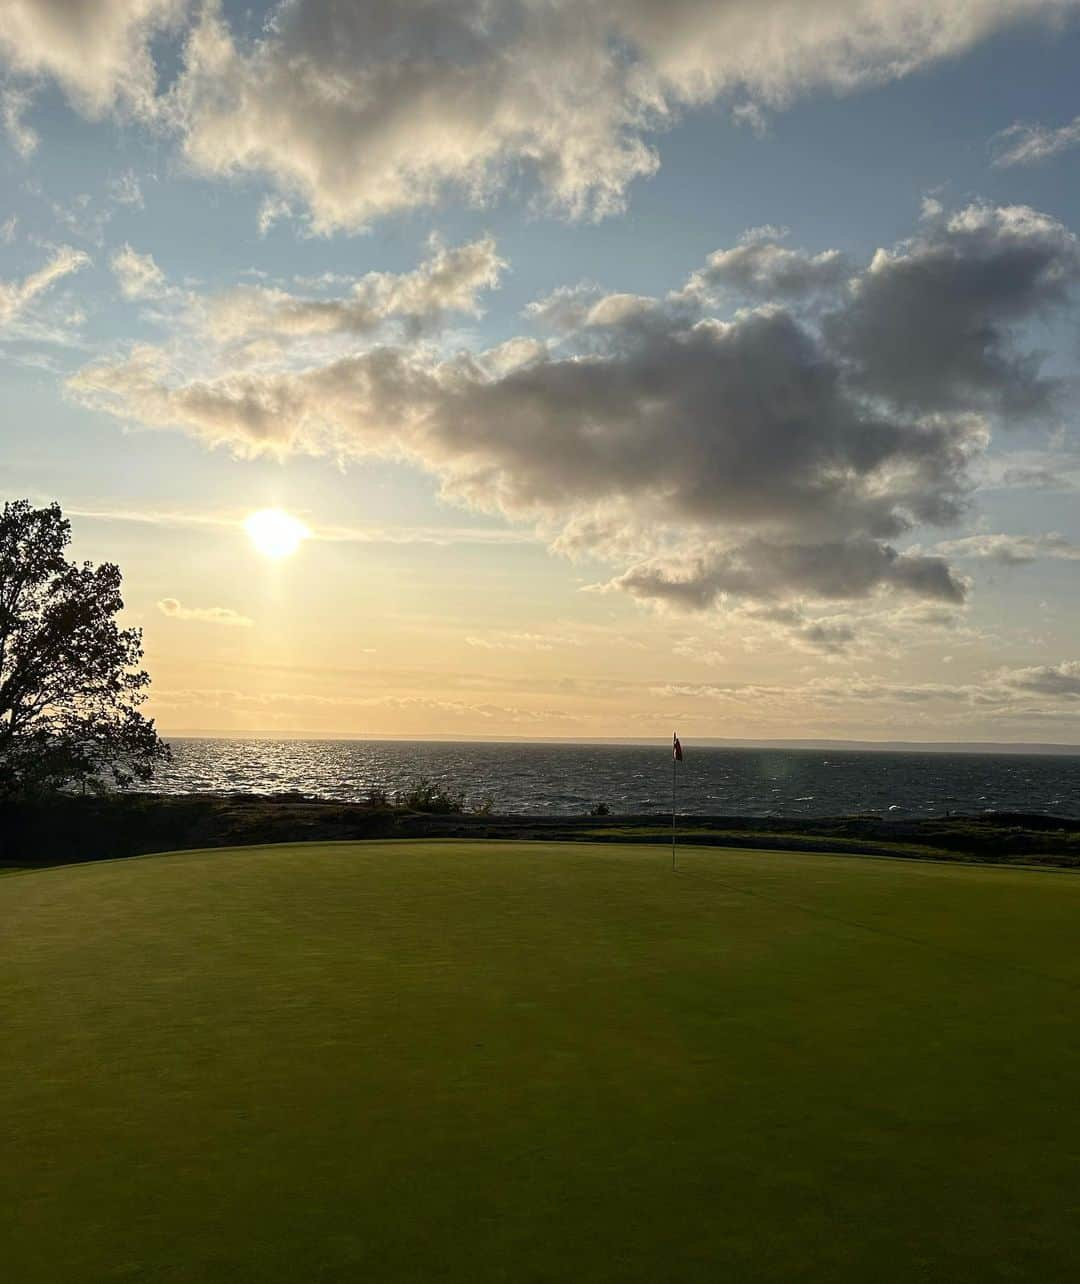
(70, 682)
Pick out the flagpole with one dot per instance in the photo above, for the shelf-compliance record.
(674, 764)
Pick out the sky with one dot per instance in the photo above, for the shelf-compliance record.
(622, 365)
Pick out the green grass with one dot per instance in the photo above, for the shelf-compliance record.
(521, 1062)
(824, 843)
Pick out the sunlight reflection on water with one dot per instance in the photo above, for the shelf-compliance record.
(634, 779)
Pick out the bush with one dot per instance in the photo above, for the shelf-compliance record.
(377, 796)
(427, 796)
(601, 809)
(483, 807)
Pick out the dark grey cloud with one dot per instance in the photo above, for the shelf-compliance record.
(760, 457)
(759, 569)
(934, 325)
(738, 434)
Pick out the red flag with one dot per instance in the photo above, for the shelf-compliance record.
(676, 748)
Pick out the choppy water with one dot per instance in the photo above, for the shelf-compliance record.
(635, 779)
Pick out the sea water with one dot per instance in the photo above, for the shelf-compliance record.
(568, 779)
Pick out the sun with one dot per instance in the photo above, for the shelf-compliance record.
(275, 533)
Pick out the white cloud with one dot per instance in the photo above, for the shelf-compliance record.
(16, 296)
(1010, 550)
(438, 536)
(1055, 680)
(272, 210)
(14, 103)
(1040, 477)
(127, 190)
(700, 650)
(511, 640)
(1034, 692)
(449, 280)
(365, 109)
(138, 276)
(402, 712)
(223, 615)
(752, 115)
(1031, 144)
(82, 219)
(759, 268)
(98, 50)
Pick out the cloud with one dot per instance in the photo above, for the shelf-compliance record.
(828, 691)
(98, 52)
(439, 536)
(565, 308)
(999, 694)
(932, 324)
(829, 635)
(363, 110)
(760, 569)
(16, 296)
(751, 115)
(870, 628)
(127, 190)
(14, 103)
(703, 425)
(139, 277)
(272, 210)
(777, 455)
(170, 607)
(1010, 550)
(82, 219)
(1036, 477)
(449, 280)
(760, 268)
(403, 713)
(1054, 680)
(699, 650)
(1031, 144)
(523, 641)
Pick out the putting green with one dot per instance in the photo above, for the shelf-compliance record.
(449, 1061)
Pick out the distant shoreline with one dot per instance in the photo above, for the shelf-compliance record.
(1000, 748)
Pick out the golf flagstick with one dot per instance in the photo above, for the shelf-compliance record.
(676, 758)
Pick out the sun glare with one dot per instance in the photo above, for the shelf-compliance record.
(275, 533)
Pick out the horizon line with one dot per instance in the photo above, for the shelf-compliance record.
(1065, 748)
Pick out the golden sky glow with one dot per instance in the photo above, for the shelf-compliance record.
(703, 364)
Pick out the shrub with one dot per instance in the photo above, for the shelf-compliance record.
(427, 796)
(601, 809)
